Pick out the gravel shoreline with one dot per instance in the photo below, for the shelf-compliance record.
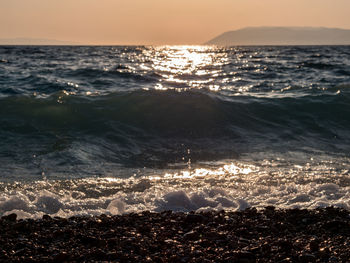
(269, 235)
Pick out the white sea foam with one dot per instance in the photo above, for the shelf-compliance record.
(227, 186)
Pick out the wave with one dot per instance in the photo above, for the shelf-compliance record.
(155, 128)
(321, 63)
(171, 111)
(119, 72)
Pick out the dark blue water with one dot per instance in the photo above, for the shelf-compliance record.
(87, 112)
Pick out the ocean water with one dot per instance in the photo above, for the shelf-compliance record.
(90, 130)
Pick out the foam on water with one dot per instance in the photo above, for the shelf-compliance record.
(229, 186)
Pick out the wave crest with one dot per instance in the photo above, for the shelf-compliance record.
(154, 128)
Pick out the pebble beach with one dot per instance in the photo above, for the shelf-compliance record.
(267, 235)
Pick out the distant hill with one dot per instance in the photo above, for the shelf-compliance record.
(283, 36)
(34, 41)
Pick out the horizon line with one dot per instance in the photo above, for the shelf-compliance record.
(51, 41)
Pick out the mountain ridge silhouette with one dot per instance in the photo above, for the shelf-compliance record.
(283, 36)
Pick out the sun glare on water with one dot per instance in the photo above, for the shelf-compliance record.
(184, 66)
(227, 171)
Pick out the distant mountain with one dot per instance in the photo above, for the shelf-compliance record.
(283, 36)
(34, 41)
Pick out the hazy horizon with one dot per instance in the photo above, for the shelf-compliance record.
(264, 35)
(156, 22)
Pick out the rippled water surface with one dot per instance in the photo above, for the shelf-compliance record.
(89, 130)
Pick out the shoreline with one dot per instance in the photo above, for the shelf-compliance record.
(269, 235)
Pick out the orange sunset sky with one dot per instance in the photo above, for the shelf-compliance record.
(115, 22)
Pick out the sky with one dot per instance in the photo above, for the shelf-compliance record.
(158, 22)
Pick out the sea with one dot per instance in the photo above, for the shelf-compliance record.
(90, 130)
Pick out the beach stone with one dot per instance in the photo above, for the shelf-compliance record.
(89, 240)
(254, 250)
(11, 217)
(112, 256)
(244, 257)
(285, 245)
(213, 235)
(324, 253)
(307, 258)
(205, 243)
(22, 226)
(192, 235)
(61, 257)
(144, 229)
(20, 252)
(98, 253)
(333, 259)
(194, 218)
(314, 245)
(285, 260)
(46, 217)
(269, 210)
